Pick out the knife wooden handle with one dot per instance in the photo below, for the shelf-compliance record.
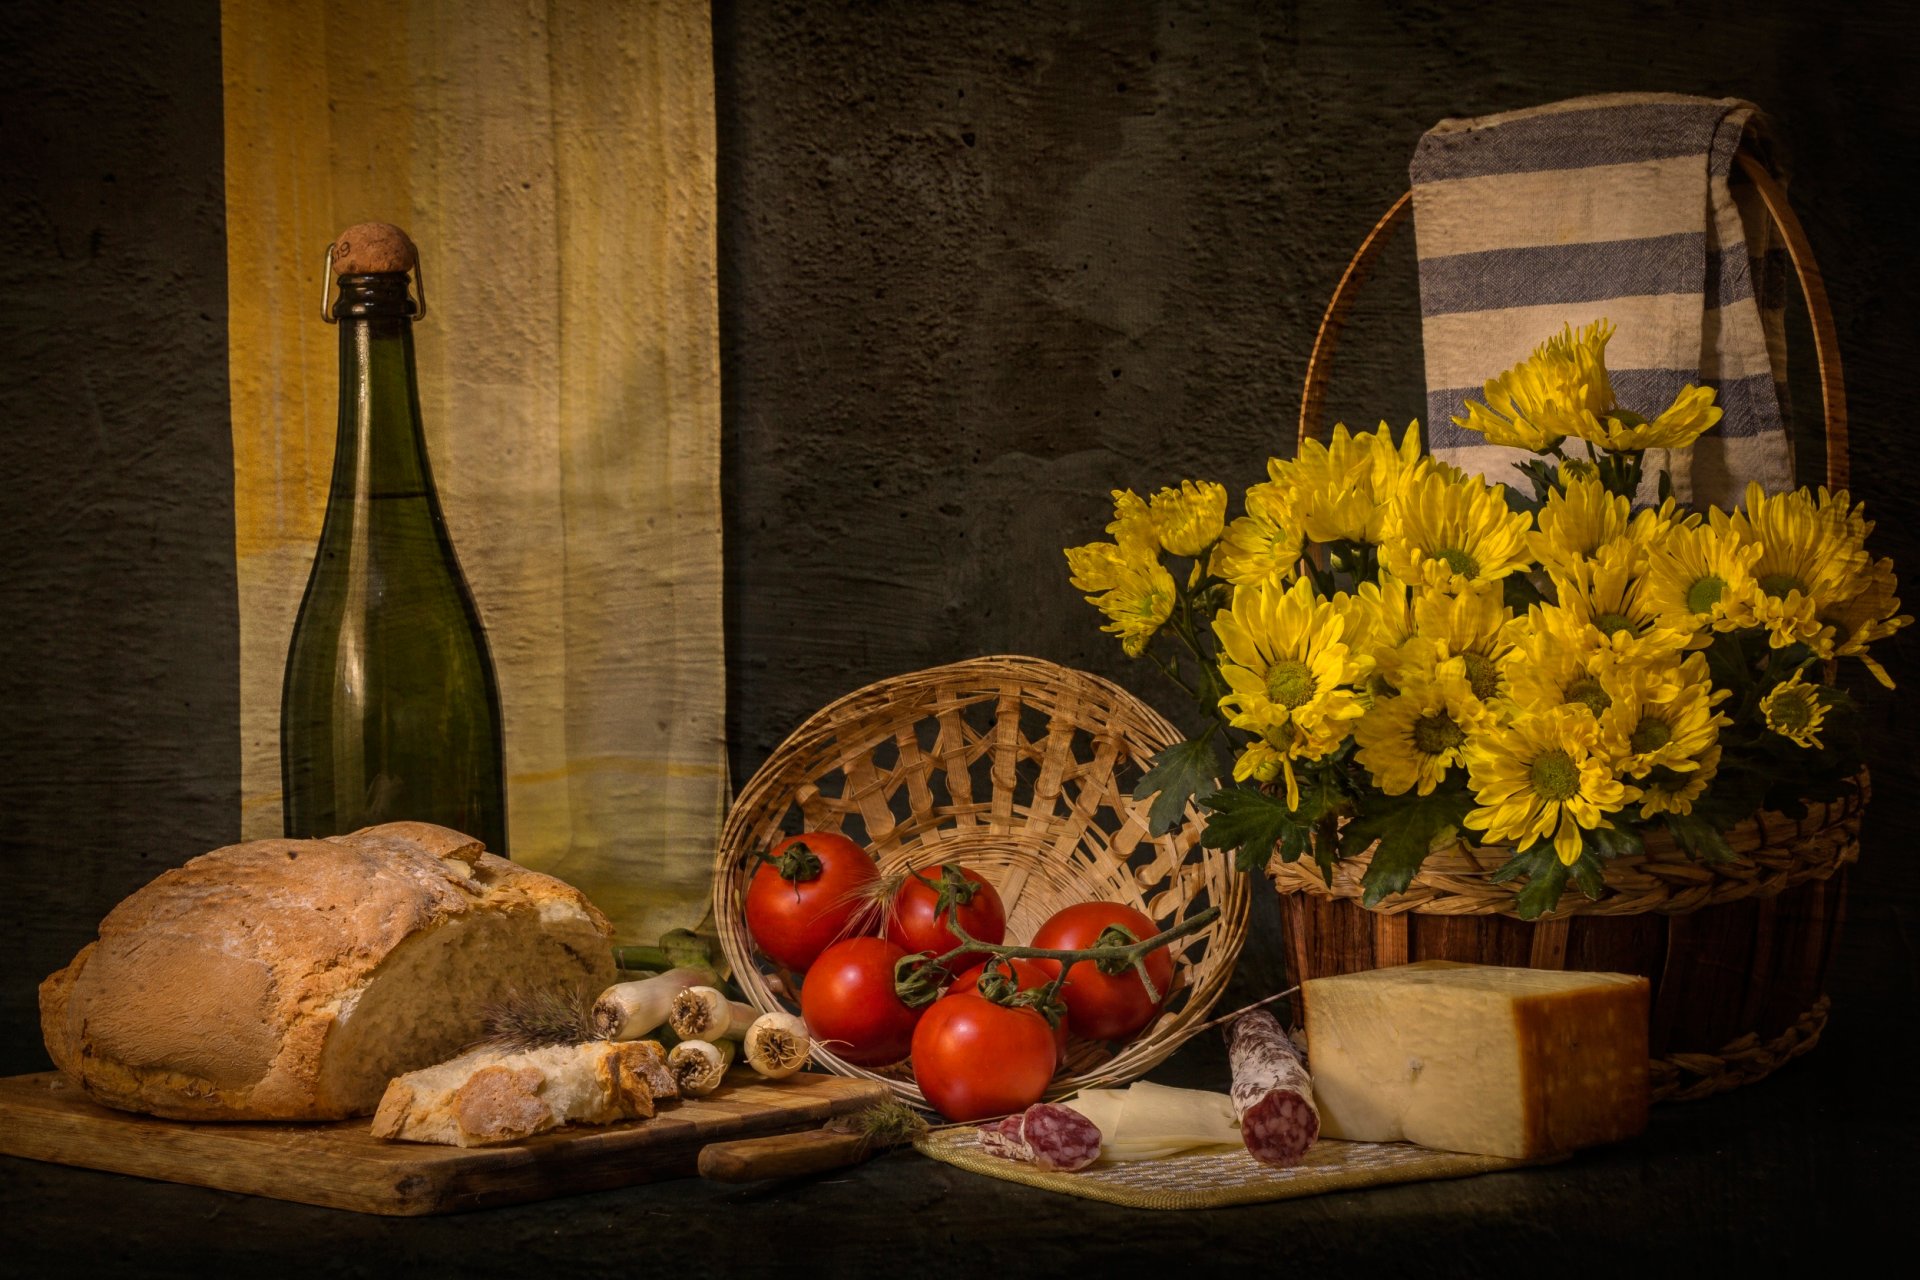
(782, 1155)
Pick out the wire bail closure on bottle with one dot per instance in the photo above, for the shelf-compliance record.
(326, 289)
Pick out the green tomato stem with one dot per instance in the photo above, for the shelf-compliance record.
(1133, 954)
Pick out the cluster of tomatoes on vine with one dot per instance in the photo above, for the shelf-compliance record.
(917, 966)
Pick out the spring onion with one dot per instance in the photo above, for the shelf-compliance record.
(698, 1066)
(630, 1010)
(777, 1045)
(703, 1013)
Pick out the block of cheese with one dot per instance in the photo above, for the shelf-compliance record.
(1495, 1061)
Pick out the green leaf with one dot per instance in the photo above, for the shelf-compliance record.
(1519, 864)
(1587, 873)
(1613, 842)
(1546, 878)
(1546, 881)
(1405, 828)
(1699, 838)
(1253, 822)
(1178, 774)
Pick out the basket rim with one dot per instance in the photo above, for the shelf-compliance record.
(1772, 852)
(1142, 729)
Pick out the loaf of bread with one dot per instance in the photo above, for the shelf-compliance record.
(490, 1095)
(292, 979)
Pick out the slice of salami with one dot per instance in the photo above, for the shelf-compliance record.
(1272, 1092)
(1060, 1138)
(1002, 1138)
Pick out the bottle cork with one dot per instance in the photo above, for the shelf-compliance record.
(367, 248)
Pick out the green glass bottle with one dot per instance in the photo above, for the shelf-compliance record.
(390, 709)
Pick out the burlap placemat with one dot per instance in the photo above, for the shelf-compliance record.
(1222, 1176)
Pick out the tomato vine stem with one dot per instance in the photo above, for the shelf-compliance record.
(1118, 955)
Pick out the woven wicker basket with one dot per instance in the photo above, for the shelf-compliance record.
(1736, 953)
(1024, 771)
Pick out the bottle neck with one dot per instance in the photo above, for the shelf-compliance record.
(381, 449)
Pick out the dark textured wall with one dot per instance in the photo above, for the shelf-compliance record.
(980, 263)
(119, 633)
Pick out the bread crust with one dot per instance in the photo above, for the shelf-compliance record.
(215, 992)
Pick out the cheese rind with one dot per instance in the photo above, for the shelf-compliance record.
(1495, 1061)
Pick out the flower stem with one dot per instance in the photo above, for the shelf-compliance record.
(1168, 670)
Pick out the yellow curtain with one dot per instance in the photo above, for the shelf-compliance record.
(555, 164)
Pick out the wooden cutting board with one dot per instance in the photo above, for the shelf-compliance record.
(342, 1166)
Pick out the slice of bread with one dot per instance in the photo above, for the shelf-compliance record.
(490, 1095)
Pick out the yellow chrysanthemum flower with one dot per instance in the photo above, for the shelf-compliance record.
(1558, 659)
(1408, 742)
(1649, 725)
(1650, 524)
(1546, 776)
(1262, 545)
(1664, 791)
(1138, 603)
(1101, 566)
(1607, 595)
(1700, 580)
(1261, 762)
(1554, 393)
(1574, 525)
(1690, 416)
(1132, 525)
(1813, 559)
(1290, 677)
(1344, 490)
(1872, 614)
(1191, 518)
(1795, 711)
(1456, 533)
(1563, 389)
(1124, 578)
(1380, 622)
(1473, 626)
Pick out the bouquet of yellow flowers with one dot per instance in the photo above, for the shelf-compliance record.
(1396, 654)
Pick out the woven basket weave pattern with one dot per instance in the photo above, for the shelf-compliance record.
(1024, 771)
(1771, 854)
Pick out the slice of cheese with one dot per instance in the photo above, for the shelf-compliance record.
(1501, 1062)
(1146, 1121)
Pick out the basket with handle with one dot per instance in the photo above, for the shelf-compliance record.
(1023, 770)
(1736, 951)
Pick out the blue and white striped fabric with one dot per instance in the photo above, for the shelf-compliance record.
(1623, 206)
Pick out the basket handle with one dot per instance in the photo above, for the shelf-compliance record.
(1826, 339)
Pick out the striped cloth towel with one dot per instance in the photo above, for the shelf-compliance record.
(1623, 206)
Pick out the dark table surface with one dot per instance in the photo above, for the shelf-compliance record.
(1814, 1163)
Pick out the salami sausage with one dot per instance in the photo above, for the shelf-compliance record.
(1272, 1092)
(1045, 1135)
(1002, 1138)
(1061, 1138)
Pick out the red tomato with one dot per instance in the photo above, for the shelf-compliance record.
(973, 1058)
(850, 1005)
(795, 911)
(912, 924)
(1027, 975)
(1104, 1006)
